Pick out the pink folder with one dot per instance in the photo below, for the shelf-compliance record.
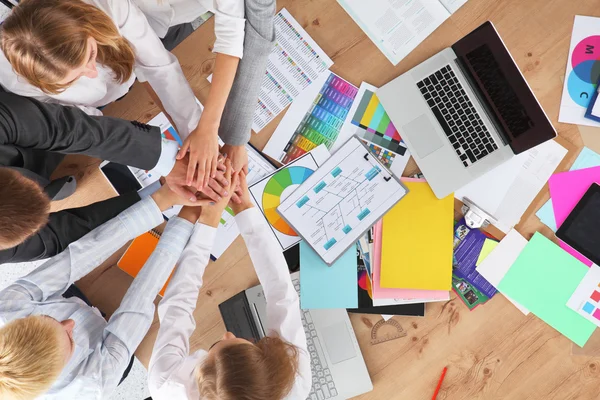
(386, 293)
(566, 189)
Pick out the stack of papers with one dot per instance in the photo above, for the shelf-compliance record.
(411, 229)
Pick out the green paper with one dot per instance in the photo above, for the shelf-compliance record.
(488, 246)
(542, 279)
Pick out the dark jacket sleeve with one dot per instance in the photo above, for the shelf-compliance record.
(65, 227)
(30, 124)
(236, 122)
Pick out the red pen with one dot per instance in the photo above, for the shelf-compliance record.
(439, 385)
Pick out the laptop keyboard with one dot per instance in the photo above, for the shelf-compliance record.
(323, 386)
(457, 116)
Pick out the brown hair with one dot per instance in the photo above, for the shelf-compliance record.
(265, 370)
(24, 208)
(45, 39)
(31, 358)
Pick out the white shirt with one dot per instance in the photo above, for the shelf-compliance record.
(229, 19)
(171, 370)
(153, 63)
(102, 350)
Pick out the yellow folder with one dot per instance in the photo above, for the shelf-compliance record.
(417, 241)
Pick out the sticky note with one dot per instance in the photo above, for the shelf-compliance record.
(487, 248)
(417, 241)
(323, 286)
(542, 279)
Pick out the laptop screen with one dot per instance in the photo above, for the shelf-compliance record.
(490, 67)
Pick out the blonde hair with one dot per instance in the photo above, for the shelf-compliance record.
(246, 371)
(46, 39)
(24, 208)
(31, 358)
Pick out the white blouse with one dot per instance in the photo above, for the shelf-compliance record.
(229, 19)
(153, 63)
(171, 374)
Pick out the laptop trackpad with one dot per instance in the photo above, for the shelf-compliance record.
(338, 342)
(423, 137)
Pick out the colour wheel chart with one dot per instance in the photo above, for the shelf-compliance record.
(268, 193)
(324, 120)
(583, 71)
(275, 187)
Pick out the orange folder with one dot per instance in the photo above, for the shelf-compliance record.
(138, 253)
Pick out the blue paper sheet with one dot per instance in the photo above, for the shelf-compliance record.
(323, 286)
(586, 159)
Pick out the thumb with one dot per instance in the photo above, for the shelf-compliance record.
(184, 149)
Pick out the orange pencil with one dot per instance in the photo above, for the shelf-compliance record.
(439, 385)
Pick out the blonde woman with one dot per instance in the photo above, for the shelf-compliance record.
(87, 53)
(276, 367)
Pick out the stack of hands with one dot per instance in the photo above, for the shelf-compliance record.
(187, 178)
(227, 187)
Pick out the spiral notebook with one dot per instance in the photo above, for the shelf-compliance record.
(138, 253)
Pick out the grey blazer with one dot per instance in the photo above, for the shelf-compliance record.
(236, 123)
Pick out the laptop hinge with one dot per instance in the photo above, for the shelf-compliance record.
(483, 101)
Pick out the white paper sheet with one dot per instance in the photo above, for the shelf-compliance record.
(341, 200)
(507, 190)
(453, 5)
(397, 26)
(582, 73)
(584, 301)
(498, 262)
(295, 62)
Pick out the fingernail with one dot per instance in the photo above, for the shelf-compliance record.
(192, 199)
(189, 183)
(212, 203)
(225, 193)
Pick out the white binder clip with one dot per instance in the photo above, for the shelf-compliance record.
(476, 217)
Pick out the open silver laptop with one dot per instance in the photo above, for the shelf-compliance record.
(338, 367)
(465, 111)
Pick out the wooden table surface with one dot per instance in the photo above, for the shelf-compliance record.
(494, 352)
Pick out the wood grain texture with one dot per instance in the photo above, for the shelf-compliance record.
(493, 352)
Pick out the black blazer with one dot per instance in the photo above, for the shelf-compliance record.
(35, 136)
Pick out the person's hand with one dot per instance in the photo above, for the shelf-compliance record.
(177, 180)
(243, 195)
(238, 157)
(190, 213)
(166, 198)
(203, 146)
(211, 214)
